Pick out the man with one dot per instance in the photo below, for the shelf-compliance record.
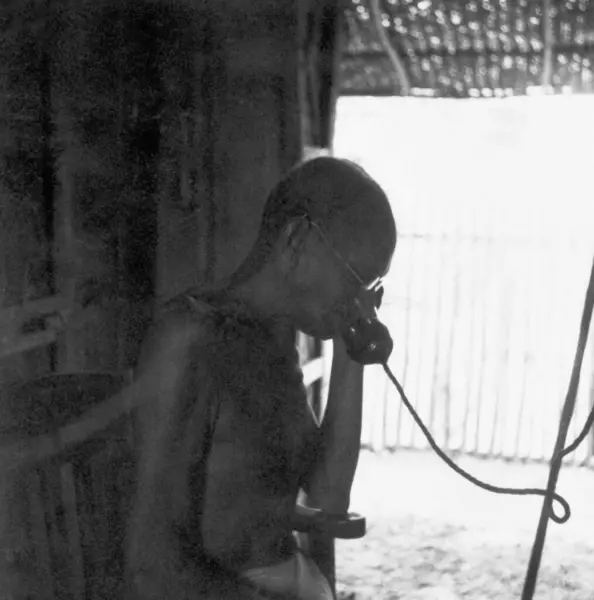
(227, 438)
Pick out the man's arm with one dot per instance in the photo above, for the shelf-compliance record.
(330, 477)
(174, 390)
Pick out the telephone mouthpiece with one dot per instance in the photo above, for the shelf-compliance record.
(368, 342)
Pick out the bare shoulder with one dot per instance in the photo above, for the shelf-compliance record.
(182, 325)
(173, 367)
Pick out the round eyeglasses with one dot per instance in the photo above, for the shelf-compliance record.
(375, 287)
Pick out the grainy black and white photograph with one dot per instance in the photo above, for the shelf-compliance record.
(296, 300)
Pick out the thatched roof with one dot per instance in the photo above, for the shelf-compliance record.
(456, 48)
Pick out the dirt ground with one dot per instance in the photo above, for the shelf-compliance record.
(434, 536)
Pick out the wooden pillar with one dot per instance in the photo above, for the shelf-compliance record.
(232, 128)
(183, 149)
(319, 55)
(258, 120)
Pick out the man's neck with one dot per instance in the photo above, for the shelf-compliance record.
(250, 301)
(263, 293)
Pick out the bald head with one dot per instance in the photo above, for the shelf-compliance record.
(341, 198)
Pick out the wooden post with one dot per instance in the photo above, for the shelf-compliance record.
(395, 60)
(239, 131)
(185, 210)
(548, 42)
(319, 53)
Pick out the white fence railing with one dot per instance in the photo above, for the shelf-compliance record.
(485, 331)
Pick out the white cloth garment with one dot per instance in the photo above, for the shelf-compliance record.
(298, 576)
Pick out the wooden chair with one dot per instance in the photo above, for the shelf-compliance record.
(66, 495)
(64, 509)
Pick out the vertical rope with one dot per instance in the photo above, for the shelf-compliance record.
(556, 461)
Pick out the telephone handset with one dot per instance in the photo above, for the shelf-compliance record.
(367, 339)
(368, 342)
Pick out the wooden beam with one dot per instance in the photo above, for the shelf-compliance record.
(34, 308)
(32, 324)
(27, 342)
(331, 44)
(393, 55)
(559, 49)
(548, 41)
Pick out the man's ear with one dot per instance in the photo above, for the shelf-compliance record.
(292, 242)
(295, 233)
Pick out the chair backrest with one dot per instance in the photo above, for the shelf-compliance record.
(63, 519)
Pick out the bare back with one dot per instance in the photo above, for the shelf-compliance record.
(240, 435)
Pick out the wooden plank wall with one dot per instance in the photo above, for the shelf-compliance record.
(239, 132)
(78, 188)
(142, 139)
(105, 145)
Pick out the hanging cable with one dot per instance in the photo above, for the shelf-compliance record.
(549, 494)
(486, 486)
